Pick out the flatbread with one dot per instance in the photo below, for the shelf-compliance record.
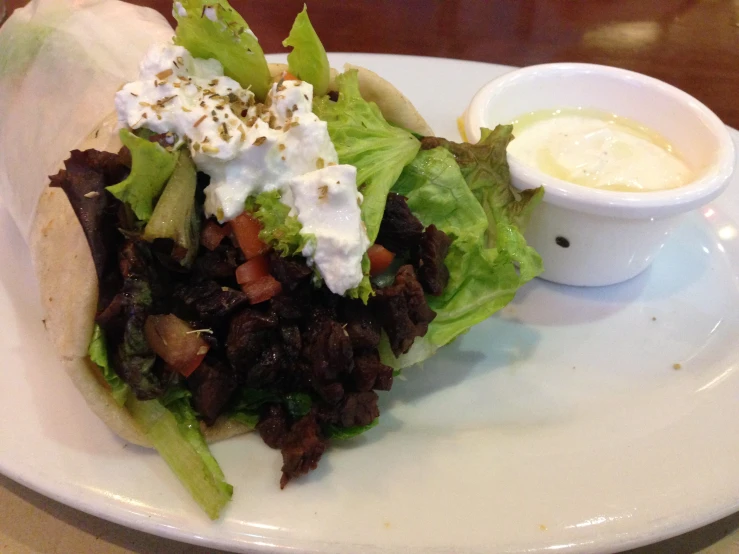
(63, 263)
(393, 104)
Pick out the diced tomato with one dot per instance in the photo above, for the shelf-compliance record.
(213, 234)
(175, 342)
(380, 259)
(252, 270)
(246, 231)
(262, 289)
(287, 76)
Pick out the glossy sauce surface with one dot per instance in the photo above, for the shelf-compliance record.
(597, 149)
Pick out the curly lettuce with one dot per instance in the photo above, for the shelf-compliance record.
(489, 259)
(365, 140)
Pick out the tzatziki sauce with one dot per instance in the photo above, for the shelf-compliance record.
(597, 149)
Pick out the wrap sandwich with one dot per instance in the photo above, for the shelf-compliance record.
(440, 248)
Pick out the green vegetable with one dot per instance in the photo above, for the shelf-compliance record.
(151, 167)
(98, 352)
(213, 29)
(335, 432)
(308, 60)
(247, 402)
(175, 216)
(365, 140)
(175, 433)
(364, 289)
(280, 230)
(485, 169)
(482, 278)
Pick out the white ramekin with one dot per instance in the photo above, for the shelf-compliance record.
(592, 237)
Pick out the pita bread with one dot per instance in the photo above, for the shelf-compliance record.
(63, 262)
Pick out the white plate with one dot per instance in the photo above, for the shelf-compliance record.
(560, 424)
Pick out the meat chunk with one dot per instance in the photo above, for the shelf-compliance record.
(208, 301)
(273, 426)
(402, 310)
(290, 272)
(400, 230)
(212, 385)
(219, 264)
(432, 273)
(367, 368)
(359, 408)
(328, 348)
(250, 333)
(302, 449)
(362, 326)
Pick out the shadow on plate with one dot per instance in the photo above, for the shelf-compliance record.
(681, 264)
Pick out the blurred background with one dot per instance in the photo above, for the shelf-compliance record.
(692, 44)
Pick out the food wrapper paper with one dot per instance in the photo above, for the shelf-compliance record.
(61, 62)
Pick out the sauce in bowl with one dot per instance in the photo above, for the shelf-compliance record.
(597, 149)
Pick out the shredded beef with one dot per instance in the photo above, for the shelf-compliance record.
(83, 180)
(432, 273)
(212, 385)
(400, 230)
(402, 310)
(302, 449)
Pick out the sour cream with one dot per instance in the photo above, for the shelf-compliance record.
(247, 148)
(597, 149)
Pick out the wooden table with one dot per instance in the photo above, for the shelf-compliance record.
(691, 44)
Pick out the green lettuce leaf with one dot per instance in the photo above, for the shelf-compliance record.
(365, 140)
(485, 168)
(151, 167)
(279, 229)
(308, 60)
(175, 433)
(482, 278)
(335, 432)
(98, 351)
(213, 29)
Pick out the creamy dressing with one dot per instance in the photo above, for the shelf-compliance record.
(247, 148)
(597, 149)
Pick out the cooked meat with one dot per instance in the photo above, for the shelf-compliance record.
(432, 273)
(250, 333)
(367, 367)
(302, 449)
(290, 272)
(327, 347)
(219, 264)
(400, 230)
(359, 408)
(291, 341)
(212, 385)
(207, 301)
(361, 324)
(402, 310)
(273, 426)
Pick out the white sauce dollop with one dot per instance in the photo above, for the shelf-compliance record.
(248, 148)
(597, 149)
